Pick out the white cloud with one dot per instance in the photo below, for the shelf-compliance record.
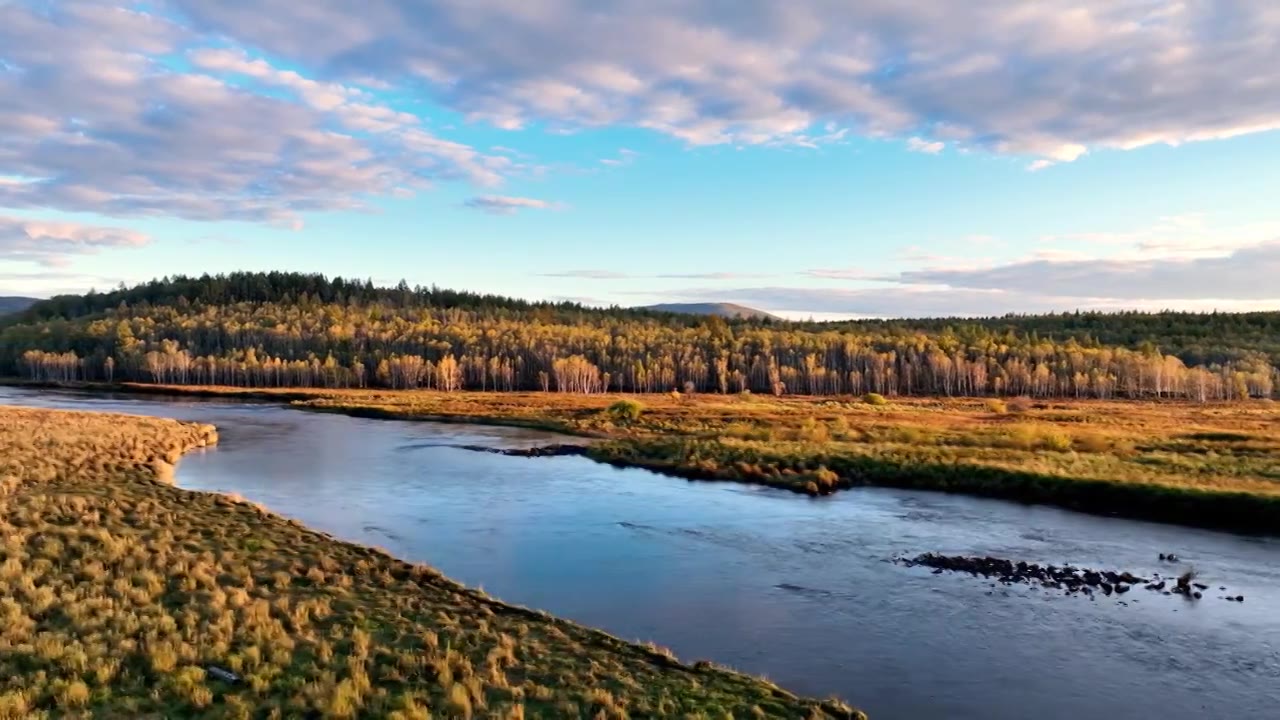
(1047, 80)
(1243, 274)
(53, 243)
(507, 205)
(624, 157)
(1185, 261)
(831, 303)
(106, 125)
(916, 144)
(590, 274)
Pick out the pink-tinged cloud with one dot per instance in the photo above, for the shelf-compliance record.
(54, 243)
(508, 205)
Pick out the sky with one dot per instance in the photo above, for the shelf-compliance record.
(813, 158)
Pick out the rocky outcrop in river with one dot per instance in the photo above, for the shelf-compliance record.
(1068, 578)
(557, 450)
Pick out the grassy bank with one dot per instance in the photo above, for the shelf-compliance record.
(1212, 465)
(118, 592)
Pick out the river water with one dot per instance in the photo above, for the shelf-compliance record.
(796, 589)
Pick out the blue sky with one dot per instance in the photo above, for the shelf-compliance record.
(891, 159)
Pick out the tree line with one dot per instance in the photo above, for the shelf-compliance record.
(280, 330)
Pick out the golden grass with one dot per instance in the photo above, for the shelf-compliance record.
(118, 593)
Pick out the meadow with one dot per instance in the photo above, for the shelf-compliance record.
(1201, 464)
(123, 596)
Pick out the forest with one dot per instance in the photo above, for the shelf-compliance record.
(303, 330)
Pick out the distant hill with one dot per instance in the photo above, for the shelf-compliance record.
(15, 304)
(728, 310)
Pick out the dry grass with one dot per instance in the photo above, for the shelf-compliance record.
(118, 592)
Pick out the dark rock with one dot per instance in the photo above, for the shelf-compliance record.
(1067, 578)
(557, 450)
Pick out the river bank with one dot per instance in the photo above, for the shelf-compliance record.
(127, 596)
(1203, 465)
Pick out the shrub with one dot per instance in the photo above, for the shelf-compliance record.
(812, 431)
(1054, 439)
(73, 695)
(625, 411)
(840, 427)
(825, 478)
(874, 399)
(1030, 436)
(906, 434)
(1019, 404)
(1093, 443)
(997, 406)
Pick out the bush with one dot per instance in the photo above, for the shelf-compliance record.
(1093, 443)
(811, 430)
(825, 479)
(997, 406)
(874, 399)
(1031, 436)
(625, 411)
(1019, 404)
(1054, 439)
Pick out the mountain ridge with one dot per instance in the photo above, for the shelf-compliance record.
(10, 304)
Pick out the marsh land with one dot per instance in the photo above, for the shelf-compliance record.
(125, 596)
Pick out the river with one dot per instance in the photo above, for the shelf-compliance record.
(796, 589)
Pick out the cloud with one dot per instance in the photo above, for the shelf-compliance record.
(52, 243)
(915, 144)
(712, 276)
(625, 157)
(615, 275)
(917, 302)
(507, 205)
(1244, 274)
(1046, 80)
(109, 124)
(840, 274)
(49, 282)
(589, 274)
